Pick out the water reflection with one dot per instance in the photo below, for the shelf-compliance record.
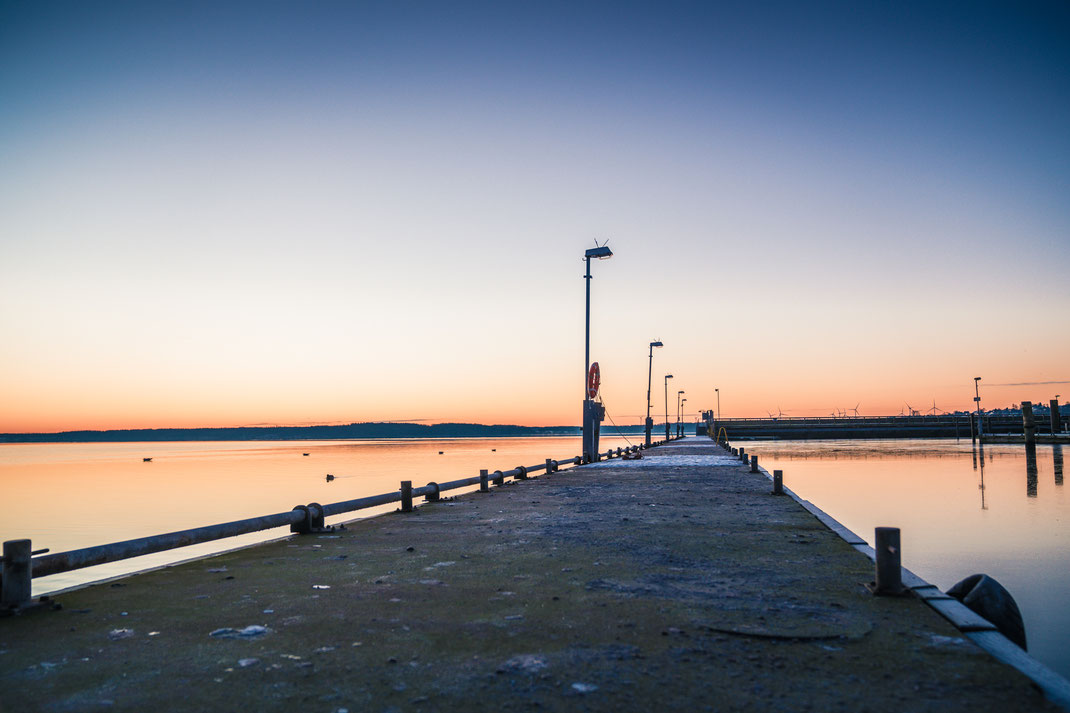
(981, 487)
(1057, 462)
(1031, 470)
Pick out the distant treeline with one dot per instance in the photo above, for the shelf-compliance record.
(294, 433)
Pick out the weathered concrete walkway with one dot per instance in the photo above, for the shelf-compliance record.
(609, 587)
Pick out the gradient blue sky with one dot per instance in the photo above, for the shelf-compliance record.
(322, 212)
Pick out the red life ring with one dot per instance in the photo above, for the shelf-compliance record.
(594, 380)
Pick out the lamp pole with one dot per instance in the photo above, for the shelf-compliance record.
(590, 449)
(680, 424)
(667, 377)
(977, 400)
(718, 404)
(678, 395)
(649, 423)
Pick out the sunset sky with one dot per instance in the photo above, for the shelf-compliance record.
(221, 214)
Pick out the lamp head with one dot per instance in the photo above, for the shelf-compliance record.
(656, 344)
(668, 376)
(602, 252)
(976, 378)
(680, 392)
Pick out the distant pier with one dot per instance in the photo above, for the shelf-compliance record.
(940, 426)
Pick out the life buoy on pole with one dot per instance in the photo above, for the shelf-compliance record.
(594, 380)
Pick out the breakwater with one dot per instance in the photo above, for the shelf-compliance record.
(943, 426)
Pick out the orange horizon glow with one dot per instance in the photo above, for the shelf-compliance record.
(992, 398)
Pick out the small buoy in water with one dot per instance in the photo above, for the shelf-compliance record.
(329, 477)
(146, 460)
(304, 454)
(493, 450)
(440, 452)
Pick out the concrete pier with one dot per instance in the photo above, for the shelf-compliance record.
(674, 582)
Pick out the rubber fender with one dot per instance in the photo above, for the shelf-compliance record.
(987, 597)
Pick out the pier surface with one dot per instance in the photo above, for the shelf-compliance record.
(672, 583)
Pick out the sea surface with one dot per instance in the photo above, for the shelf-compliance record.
(65, 496)
(962, 510)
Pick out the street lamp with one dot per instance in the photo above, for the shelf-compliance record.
(680, 423)
(590, 418)
(977, 400)
(678, 395)
(718, 404)
(667, 377)
(649, 373)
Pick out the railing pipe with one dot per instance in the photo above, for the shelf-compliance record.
(101, 554)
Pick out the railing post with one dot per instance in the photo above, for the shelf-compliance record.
(889, 562)
(778, 482)
(754, 464)
(549, 466)
(499, 479)
(17, 569)
(522, 472)
(433, 496)
(484, 486)
(406, 496)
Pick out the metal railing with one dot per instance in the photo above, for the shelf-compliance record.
(20, 567)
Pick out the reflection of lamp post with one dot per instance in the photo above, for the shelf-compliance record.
(977, 400)
(667, 377)
(680, 421)
(590, 446)
(649, 373)
(678, 395)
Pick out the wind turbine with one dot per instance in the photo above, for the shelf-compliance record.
(855, 409)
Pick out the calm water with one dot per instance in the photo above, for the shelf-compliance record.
(961, 511)
(1015, 528)
(67, 496)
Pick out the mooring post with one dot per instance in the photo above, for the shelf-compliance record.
(406, 496)
(499, 479)
(743, 454)
(1056, 425)
(889, 562)
(484, 486)
(17, 574)
(521, 472)
(746, 458)
(549, 466)
(754, 464)
(778, 482)
(1028, 424)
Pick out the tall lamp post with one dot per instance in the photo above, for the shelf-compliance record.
(649, 374)
(590, 418)
(680, 423)
(667, 377)
(977, 400)
(678, 395)
(718, 404)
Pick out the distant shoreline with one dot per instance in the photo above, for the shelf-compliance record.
(353, 431)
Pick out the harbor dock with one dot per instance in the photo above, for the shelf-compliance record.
(677, 581)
